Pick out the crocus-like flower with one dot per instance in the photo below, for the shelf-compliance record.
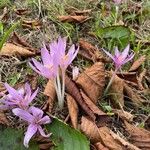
(18, 98)
(49, 67)
(62, 58)
(120, 58)
(117, 1)
(34, 117)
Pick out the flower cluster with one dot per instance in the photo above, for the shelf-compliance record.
(54, 65)
(19, 101)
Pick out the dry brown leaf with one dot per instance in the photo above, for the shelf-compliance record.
(51, 93)
(92, 106)
(92, 81)
(139, 136)
(89, 51)
(132, 95)
(21, 12)
(96, 134)
(100, 146)
(10, 49)
(77, 19)
(17, 40)
(3, 119)
(128, 76)
(138, 63)
(101, 117)
(90, 129)
(73, 110)
(32, 24)
(116, 91)
(123, 114)
(126, 144)
(73, 90)
(140, 79)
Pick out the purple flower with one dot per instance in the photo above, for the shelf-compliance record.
(59, 49)
(34, 117)
(120, 58)
(49, 67)
(18, 98)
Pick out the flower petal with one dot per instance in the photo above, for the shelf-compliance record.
(130, 57)
(117, 53)
(14, 93)
(42, 132)
(72, 53)
(111, 56)
(62, 45)
(36, 112)
(44, 71)
(23, 114)
(32, 129)
(45, 120)
(33, 96)
(46, 58)
(125, 52)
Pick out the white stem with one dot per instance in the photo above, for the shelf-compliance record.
(57, 91)
(63, 86)
(116, 14)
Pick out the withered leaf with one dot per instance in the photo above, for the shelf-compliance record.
(3, 119)
(126, 144)
(134, 97)
(21, 12)
(92, 106)
(140, 79)
(128, 76)
(10, 49)
(101, 134)
(32, 24)
(92, 81)
(73, 110)
(116, 91)
(138, 63)
(123, 114)
(101, 117)
(72, 89)
(100, 146)
(17, 40)
(51, 93)
(90, 129)
(139, 136)
(77, 19)
(89, 51)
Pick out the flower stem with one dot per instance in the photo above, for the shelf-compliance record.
(63, 87)
(116, 14)
(110, 82)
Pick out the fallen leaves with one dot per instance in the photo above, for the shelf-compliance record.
(51, 93)
(90, 52)
(77, 19)
(138, 136)
(116, 91)
(73, 110)
(3, 119)
(72, 89)
(132, 95)
(32, 24)
(93, 80)
(10, 49)
(137, 63)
